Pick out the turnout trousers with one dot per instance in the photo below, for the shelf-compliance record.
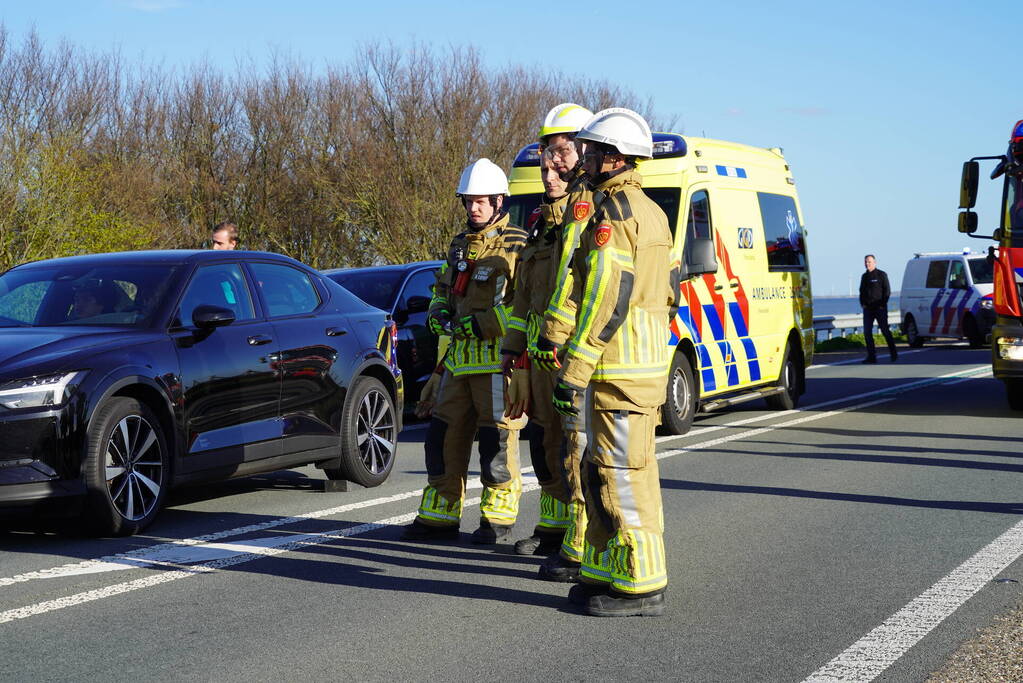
(470, 406)
(556, 446)
(624, 546)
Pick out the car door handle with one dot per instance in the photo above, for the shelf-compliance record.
(259, 340)
(718, 288)
(336, 331)
(734, 284)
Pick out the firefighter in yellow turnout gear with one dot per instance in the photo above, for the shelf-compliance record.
(471, 301)
(618, 359)
(562, 511)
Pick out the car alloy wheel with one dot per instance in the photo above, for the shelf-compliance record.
(375, 431)
(134, 467)
(369, 434)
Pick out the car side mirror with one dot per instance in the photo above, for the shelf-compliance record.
(208, 317)
(700, 258)
(968, 186)
(417, 304)
(967, 222)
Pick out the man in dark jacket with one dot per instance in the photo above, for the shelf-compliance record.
(874, 293)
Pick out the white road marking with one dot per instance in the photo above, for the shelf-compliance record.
(868, 657)
(266, 550)
(860, 359)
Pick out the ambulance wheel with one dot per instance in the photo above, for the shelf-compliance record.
(679, 409)
(913, 337)
(789, 381)
(1014, 392)
(972, 332)
(369, 435)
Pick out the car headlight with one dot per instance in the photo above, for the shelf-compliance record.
(34, 392)
(987, 303)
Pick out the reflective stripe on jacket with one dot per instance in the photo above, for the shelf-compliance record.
(493, 253)
(623, 286)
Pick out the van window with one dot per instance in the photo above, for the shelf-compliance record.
(936, 274)
(699, 224)
(783, 232)
(982, 271)
(668, 199)
(957, 276)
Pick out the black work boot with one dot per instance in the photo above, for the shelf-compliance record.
(581, 593)
(417, 531)
(490, 534)
(557, 568)
(869, 360)
(540, 543)
(608, 605)
(894, 354)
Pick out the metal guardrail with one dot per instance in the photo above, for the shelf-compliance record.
(848, 323)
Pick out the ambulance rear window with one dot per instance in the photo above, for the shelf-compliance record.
(783, 232)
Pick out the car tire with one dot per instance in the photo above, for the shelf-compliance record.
(126, 467)
(789, 381)
(913, 337)
(972, 332)
(679, 409)
(369, 436)
(1014, 393)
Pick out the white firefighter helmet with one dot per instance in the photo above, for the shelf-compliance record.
(482, 177)
(564, 118)
(621, 128)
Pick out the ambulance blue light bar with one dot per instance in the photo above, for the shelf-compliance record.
(668, 145)
(528, 156)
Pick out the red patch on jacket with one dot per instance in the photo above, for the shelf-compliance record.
(603, 234)
(580, 210)
(533, 218)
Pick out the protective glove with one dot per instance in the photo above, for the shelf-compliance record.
(517, 402)
(544, 355)
(564, 399)
(428, 396)
(439, 322)
(467, 327)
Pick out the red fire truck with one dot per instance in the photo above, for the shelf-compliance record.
(1007, 334)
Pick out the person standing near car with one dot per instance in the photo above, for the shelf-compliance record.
(471, 301)
(626, 287)
(874, 293)
(224, 236)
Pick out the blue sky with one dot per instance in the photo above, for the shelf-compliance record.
(876, 104)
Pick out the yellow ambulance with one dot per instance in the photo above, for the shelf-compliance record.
(744, 328)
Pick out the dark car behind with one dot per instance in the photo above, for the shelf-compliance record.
(404, 291)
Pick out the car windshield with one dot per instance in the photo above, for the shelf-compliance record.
(981, 270)
(377, 288)
(107, 295)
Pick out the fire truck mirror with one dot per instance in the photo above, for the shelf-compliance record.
(967, 222)
(968, 187)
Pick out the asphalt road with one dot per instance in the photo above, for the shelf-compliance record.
(791, 537)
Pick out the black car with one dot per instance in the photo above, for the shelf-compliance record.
(122, 375)
(404, 291)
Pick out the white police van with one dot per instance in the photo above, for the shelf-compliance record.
(947, 295)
